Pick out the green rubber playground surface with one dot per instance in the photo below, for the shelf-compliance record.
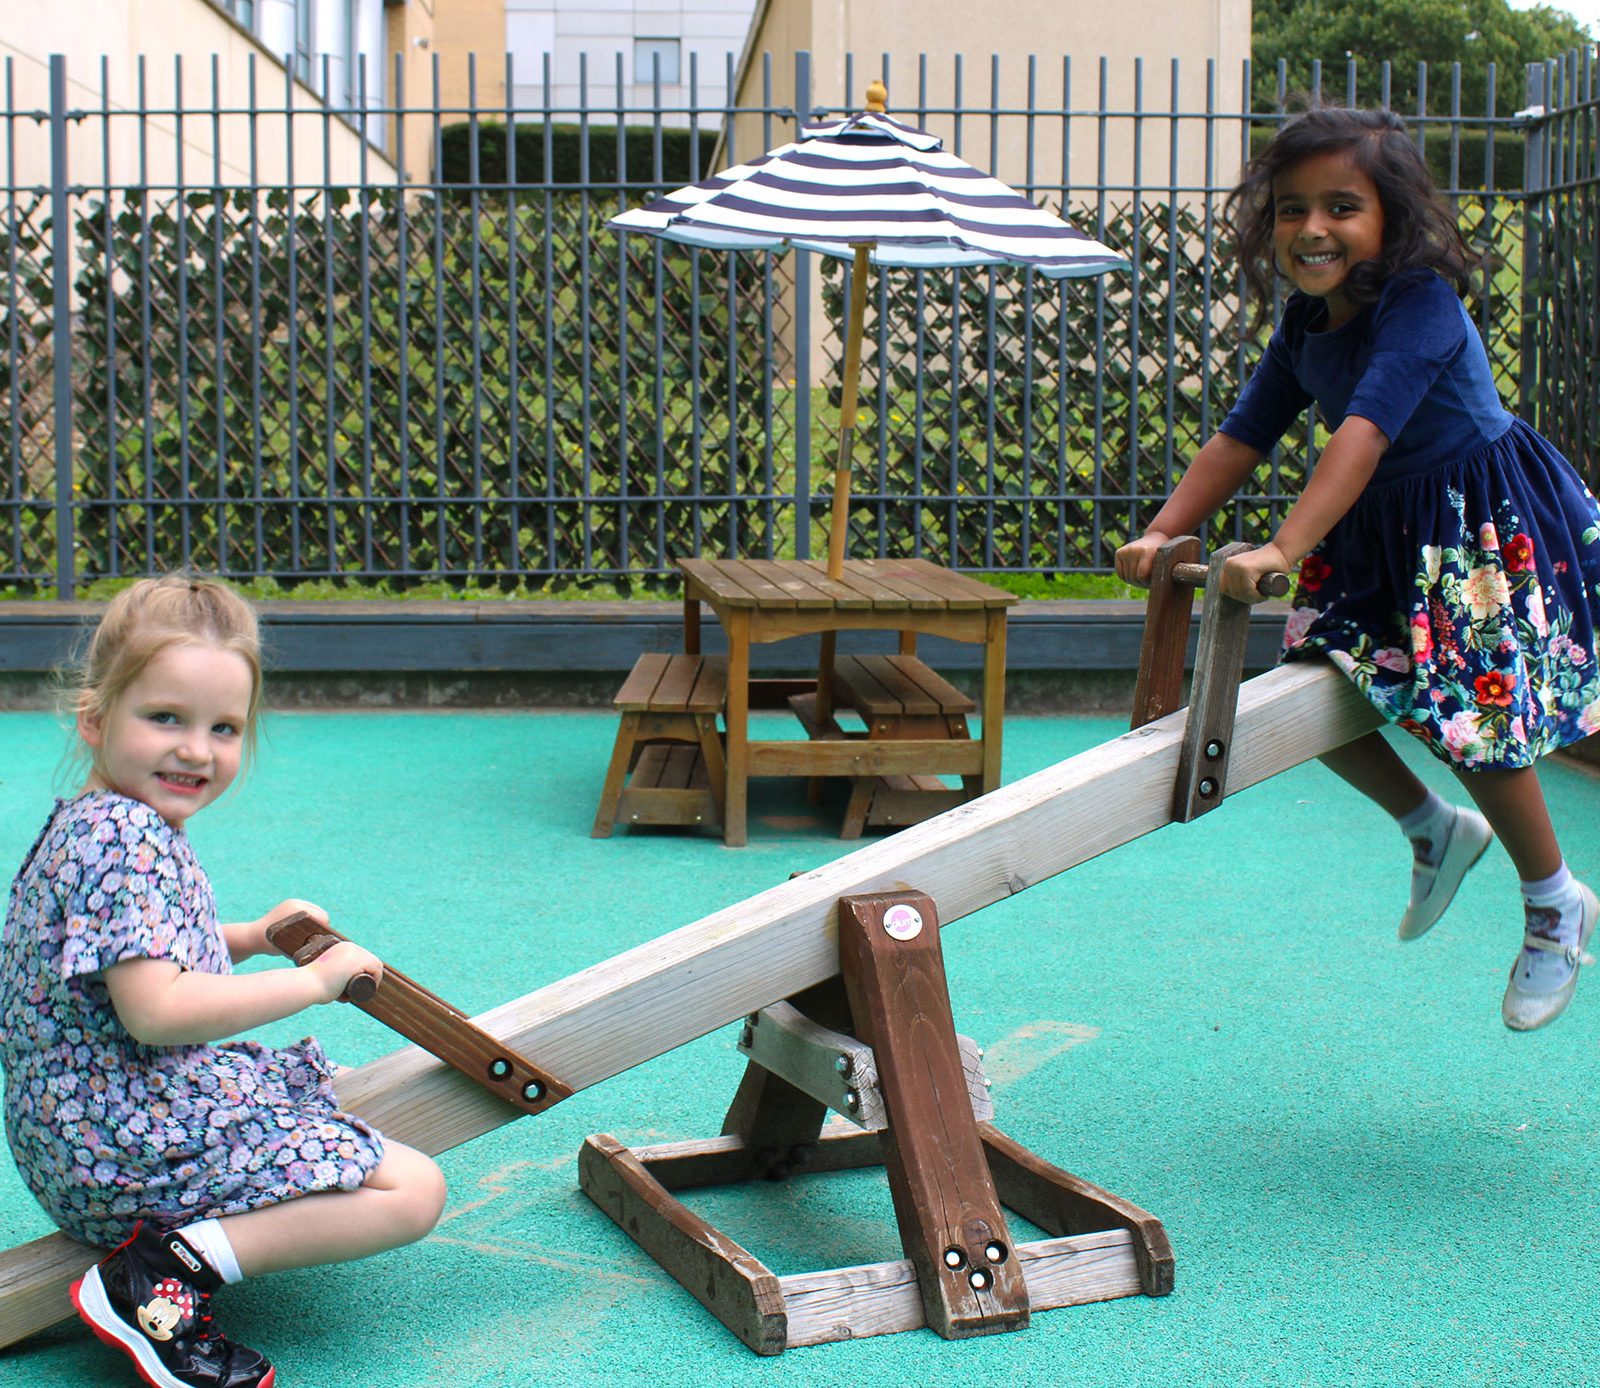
(1365, 1178)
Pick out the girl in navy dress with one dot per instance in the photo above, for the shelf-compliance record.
(130, 1117)
(1448, 556)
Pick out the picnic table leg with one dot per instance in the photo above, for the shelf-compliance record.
(738, 716)
(994, 696)
(829, 641)
(605, 818)
(691, 623)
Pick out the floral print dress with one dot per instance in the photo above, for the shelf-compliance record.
(107, 1131)
(1461, 591)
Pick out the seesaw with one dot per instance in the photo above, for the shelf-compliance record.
(785, 942)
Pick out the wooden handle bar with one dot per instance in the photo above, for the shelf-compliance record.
(359, 989)
(431, 1022)
(1269, 585)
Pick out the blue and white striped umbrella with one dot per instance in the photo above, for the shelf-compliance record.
(868, 179)
(870, 188)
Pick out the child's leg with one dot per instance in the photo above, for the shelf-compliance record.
(1445, 842)
(1373, 767)
(151, 1298)
(399, 1204)
(1513, 803)
(1559, 911)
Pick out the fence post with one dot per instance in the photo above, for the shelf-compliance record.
(61, 326)
(802, 342)
(1533, 184)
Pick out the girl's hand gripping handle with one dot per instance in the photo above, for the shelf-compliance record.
(1256, 574)
(1250, 577)
(306, 940)
(1272, 584)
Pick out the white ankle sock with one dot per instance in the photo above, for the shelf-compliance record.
(1428, 826)
(1554, 911)
(211, 1243)
(1555, 890)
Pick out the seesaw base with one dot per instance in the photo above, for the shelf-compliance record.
(770, 1313)
(878, 1046)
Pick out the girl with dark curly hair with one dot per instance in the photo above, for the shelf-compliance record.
(1448, 556)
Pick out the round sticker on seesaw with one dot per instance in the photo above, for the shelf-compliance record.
(902, 921)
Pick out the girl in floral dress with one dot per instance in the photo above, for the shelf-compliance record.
(1448, 556)
(130, 1117)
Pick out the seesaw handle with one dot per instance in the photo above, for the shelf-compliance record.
(362, 987)
(1269, 585)
(444, 1031)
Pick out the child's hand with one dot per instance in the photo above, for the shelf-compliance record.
(249, 938)
(335, 968)
(1136, 558)
(1242, 572)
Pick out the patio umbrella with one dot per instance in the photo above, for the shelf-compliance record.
(869, 187)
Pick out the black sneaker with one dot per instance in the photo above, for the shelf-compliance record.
(151, 1298)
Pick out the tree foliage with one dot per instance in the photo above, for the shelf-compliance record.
(1404, 33)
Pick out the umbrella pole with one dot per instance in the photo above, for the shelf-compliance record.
(838, 531)
(839, 525)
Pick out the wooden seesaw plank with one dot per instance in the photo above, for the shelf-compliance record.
(621, 1013)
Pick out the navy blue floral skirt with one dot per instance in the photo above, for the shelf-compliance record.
(1464, 603)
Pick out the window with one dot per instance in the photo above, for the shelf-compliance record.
(646, 53)
(242, 10)
(353, 60)
(302, 40)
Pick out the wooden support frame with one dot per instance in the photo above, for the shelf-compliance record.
(637, 1005)
(1218, 667)
(949, 1174)
(1158, 690)
(838, 1070)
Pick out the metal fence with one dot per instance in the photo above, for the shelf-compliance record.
(344, 374)
(1561, 284)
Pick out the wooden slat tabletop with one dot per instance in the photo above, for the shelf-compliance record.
(918, 588)
(843, 596)
(719, 585)
(958, 589)
(879, 584)
(792, 580)
(766, 593)
(877, 596)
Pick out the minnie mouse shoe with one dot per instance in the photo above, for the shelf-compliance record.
(151, 1298)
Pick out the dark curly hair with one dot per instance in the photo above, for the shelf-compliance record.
(1419, 226)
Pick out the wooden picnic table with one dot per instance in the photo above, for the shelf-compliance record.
(762, 600)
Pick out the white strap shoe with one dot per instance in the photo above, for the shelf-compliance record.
(1524, 1009)
(1469, 836)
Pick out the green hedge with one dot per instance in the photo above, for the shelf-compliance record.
(685, 155)
(358, 386)
(1509, 152)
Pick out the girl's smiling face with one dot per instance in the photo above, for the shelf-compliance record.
(175, 735)
(1327, 216)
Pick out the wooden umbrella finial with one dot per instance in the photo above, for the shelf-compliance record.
(877, 96)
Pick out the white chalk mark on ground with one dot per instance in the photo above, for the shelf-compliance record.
(510, 1198)
(1030, 1047)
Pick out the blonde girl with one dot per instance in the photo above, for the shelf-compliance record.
(132, 1117)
